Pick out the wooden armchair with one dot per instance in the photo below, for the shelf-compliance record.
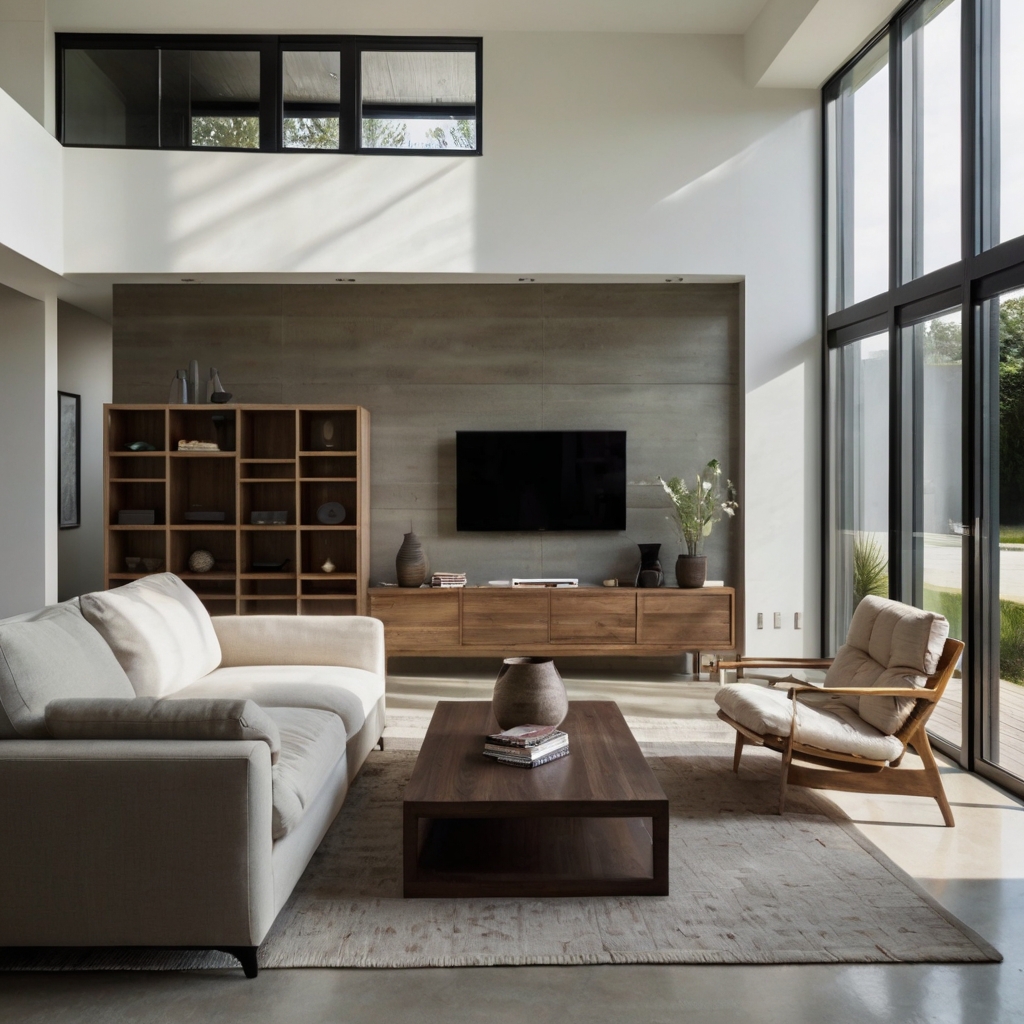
(823, 725)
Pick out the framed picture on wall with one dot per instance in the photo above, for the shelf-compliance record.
(69, 459)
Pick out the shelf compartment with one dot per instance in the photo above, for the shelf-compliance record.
(268, 434)
(269, 606)
(141, 542)
(258, 472)
(328, 606)
(324, 466)
(269, 587)
(203, 423)
(328, 430)
(127, 425)
(316, 494)
(138, 495)
(267, 544)
(219, 605)
(335, 543)
(211, 589)
(136, 466)
(220, 544)
(278, 496)
(202, 485)
(329, 585)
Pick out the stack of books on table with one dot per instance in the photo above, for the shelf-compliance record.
(448, 579)
(527, 746)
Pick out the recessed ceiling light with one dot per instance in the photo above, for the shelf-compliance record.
(345, 280)
(527, 280)
(673, 280)
(188, 280)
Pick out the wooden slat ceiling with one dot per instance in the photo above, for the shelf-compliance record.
(415, 77)
(225, 75)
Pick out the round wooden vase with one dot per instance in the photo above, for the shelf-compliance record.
(691, 571)
(529, 691)
(411, 562)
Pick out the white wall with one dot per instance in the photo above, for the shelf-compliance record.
(84, 367)
(604, 154)
(28, 455)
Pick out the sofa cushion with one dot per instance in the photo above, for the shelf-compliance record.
(350, 693)
(150, 718)
(158, 630)
(48, 654)
(888, 644)
(827, 723)
(312, 742)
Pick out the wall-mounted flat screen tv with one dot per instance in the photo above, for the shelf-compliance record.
(540, 479)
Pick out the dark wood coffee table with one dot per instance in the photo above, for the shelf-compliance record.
(594, 823)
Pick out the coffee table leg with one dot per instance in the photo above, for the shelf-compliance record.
(659, 824)
(410, 849)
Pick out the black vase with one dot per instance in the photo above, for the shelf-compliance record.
(650, 574)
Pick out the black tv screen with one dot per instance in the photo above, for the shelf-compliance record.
(540, 479)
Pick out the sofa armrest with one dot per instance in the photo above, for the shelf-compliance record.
(349, 641)
(135, 842)
(148, 718)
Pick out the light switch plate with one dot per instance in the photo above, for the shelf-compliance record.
(778, 620)
(760, 620)
(797, 620)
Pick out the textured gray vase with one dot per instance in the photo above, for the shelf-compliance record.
(529, 691)
(411, 562)
(691, 571)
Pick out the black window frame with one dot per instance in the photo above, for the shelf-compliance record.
(980, 274)
(271, 106)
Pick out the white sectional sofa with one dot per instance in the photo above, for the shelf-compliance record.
(165, 777)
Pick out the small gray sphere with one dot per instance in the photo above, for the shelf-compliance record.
(200, 561)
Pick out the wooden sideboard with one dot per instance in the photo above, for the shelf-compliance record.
(504, 621)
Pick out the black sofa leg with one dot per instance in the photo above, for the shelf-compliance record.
(246, 956)
(380, 742)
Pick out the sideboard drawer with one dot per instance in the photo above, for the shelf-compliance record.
(418, 619)
(689, 621)
(504, 617)
(593, 617)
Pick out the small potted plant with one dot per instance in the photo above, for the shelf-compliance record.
(695, 514)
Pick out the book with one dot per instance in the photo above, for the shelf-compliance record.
(522, 763)
(527, 753)
(524, 735)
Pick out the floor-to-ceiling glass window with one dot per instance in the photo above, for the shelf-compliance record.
(925, 373)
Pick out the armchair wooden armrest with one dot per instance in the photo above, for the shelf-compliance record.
(777, 663)
(913, 693)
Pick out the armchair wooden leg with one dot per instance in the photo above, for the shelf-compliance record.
(738, 753)
(920, 743)
(787, 759)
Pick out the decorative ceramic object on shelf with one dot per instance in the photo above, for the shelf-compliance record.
(215, 390)
(193, 382)
(411, 563)
(153, 564)
(132, 563)
(328, 566)
(331, 513)
(691, 570)
(529, 691)
(179, 389)
(650, 574)
(200, 561)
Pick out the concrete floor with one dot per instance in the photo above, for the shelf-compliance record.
(976, 870)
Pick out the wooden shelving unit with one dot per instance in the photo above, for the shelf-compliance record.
(272, 458)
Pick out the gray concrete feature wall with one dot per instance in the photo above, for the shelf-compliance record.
(661, 362)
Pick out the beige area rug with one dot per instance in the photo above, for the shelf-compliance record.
(747, 886)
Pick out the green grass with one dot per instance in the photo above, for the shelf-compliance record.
(1011, 628)
(1011, 534)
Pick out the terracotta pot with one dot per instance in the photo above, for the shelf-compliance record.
(411, 562)
(691, 570)
(529, 691)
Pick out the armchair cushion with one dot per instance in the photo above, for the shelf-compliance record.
(158, 630)
(888, 644)
(827, 723)
(147, 718)
(52, 653)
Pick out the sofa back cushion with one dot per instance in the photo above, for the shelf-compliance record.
(47, 655)
(158, 630)
(889, 644)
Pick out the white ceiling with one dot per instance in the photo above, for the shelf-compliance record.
(730, 17)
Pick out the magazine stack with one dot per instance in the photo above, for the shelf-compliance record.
(527, 746)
